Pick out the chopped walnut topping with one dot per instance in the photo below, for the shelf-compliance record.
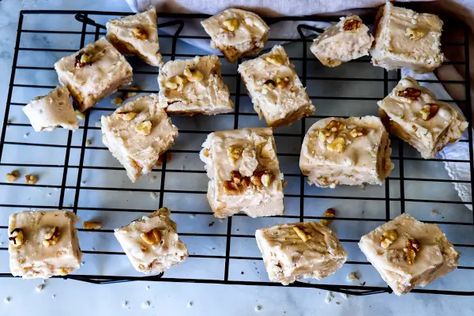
(282, 82)
(83, 59)
(126, 116)
(144, 128)
(338, 145)
(93, 225)
(301, 234)
(276, 60)
(351, 25)
(388, 237)
(357, 132)
(16, 237)
(51, 236)
(330, 212)
(31, 179)
(234, 152)
(266, 179)
(175, 83)
(117, 101)
(414, 34)
(193, 75)
(429, 111)
(140, 33)
(152, 237)
(410, 93)
(231, 24)
(411, 249)
(239, 183)
(12, 176)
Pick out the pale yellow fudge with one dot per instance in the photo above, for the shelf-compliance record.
(352, 151)
(244, 173)
(409, 253)
(43, 244)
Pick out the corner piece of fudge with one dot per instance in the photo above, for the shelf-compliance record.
(351, 151)
(93, 73)
(409, 253)
(237, 33)
(151, 243)
(244, 174)
(405, 38)
(412, 113)
(299, 250)
(137, 133)
(43, 244)
(54, 109)
(276, 91)
(194, 86)
(136, 35)
(348, 39)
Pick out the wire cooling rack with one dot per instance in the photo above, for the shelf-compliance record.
(77, 172)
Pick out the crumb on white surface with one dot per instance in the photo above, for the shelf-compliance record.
(329, 297)
(146, 305)
(124, 304)
(154, 195)
(7, 300)
(190, 304)
(258, 308)
(40, 287)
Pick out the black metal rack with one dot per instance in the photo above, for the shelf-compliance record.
(299, 191)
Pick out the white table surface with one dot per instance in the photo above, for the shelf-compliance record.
(20, 297)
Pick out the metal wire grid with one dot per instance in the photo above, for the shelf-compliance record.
(76, 145)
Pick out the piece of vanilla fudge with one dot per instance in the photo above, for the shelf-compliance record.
(405, 38)
(151, 243)
(194, 86)
(348, 39)
(352, 151)
(137, 133)
(52, 110)
(137, 35)
(412, 113)
(244, 173)
(43, 244)
(299, 250)
(276, 91)
(409, 253)
(93, 73)
(237, 33)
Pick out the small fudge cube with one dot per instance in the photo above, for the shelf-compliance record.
(136, 35)
(43, 244)
(350, 151)
(194, 86)
(55, 109)
(409, 253)
(237, 33)
(276, 91)
(405, 38)
(137, 133)
(93, 73)
(349, 39)
(244, 173)
(151, 243)
(299, 250)
(413, 113)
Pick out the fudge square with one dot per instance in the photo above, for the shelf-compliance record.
(299, 250)
(93, 73)
(55, 109)
(194, 86)
(350, 151)
(409, 253)
(348, 39)
(151, 243)
(244, 174)
(413, 113)
(405, 38)
(137, 133)
(276, 91)
(43, 244)
(136, 35)
(237, 33)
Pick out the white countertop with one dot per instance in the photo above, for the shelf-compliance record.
(21, 297)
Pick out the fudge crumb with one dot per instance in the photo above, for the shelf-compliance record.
(40, 287)
(12, 176)
(435, 212)
(53, 296)
(242, 272)
(148, 288)
(190, 304)
(146, 305)
(211, 224)
(117, 101)
(31, 179)
(88, 142)
(329, 297)
(344, 295)
(153, 178)
(7, 300)
(353, 276)
(124, 304)
(258, 308)
(26, 135)
(154, 195)
(92, 225)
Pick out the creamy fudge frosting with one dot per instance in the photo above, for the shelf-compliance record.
(350, 151)
(409, 253)
(276, 91)
(237, 33)
(151, 243)
(194, 86)
(93, 73)
(405, 38)
(413, 114)
(43, 244)
(244, 173)
(52, 110)
(137, 133)
(299, 250)
(348, 39)
(137, 35)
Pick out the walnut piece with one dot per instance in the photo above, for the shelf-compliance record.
(429, 111)
(31, 179)
(351, 25)
(51, 236)
(234, 152)
(193, 75)
(414, 34)
(140, 33)
(301, 234)
(411, 249)
(330, 212)
(152, 237)
(16, 237)
(175, 83)
(92, 225)
(231, 24)
(337, 145)
(126, 116)
(388, 237)
(276, 60)
(12, 176)
(83, 59)
(144, 128)
(410, 93)
(282, 82)
(238, 183)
